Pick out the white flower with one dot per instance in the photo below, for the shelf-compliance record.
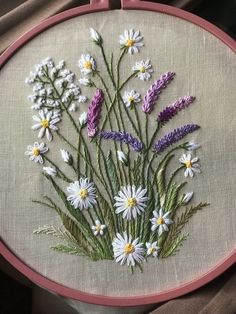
(60, 65)
(50, 171)
(87, 64)
(187, 197)
(160, 221)
(83, 118)
(98, 228)
(131, 201)
(144, 70)
(82, 99)
(66, 156)
(191, 165)
(122, 157)
(131, 41)
(126, 250)
(152, 248)
(82, 194)
(86, 82)
(36, 151)
(95, 36)
(73, 107)
(131, 98)
(46, 122)
(192, 146)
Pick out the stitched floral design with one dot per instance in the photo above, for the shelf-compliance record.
(115, 197)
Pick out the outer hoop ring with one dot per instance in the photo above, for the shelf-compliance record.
(219, 268)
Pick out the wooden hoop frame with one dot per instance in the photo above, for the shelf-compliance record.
(96, 6)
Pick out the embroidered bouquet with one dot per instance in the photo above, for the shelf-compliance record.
(120, 203)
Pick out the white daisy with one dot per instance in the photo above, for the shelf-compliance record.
(87, 64)
(131, 98)
(83, 118)
(152, 249)
(131, 201)
(98, 228)
(46, 122)
(130, 40)
(126, 250)
(36, 151)
(191, 165)
(50, 171)
(143, 69)
(82, 194)
(160, 221)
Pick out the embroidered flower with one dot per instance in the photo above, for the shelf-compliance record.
(86, 82)
(131, 98)
(50, 171)
(160, 221)
(122, 157)
(127, 250)
(96, 37)
(152, 249)
(83, 118)
(94, 112)
(174, 136)
(98, 228)
(82, 194)
(187, 198)
(124, 138)
(191, 165)
(130, 201)
(73, 107)
(131, 41)
(36, 151)
(87, 64)
(66, 156)
(143, 69)
(46, 122)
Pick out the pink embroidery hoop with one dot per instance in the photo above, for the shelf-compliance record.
(96, 6)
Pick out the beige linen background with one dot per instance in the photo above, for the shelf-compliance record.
(205, 67)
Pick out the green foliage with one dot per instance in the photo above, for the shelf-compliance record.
(112, 173)
(136, 171)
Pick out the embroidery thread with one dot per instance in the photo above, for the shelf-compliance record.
(119, 203)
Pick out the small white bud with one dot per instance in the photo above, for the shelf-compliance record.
(122, 157)
(95, 36)
(66, 156)
(192, 146)
(83, 118)
(50, 171)
(187, 197)
(86, 82)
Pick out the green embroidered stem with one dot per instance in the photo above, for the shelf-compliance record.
(78, 150)
(146, 129)
(59, 172)
(172, 177)
(107, 66)
(65, 140)
(127, 80)
(138, 123)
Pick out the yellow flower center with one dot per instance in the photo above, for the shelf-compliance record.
(45, 123)
(188, 164)
(131, 202)
(36, 151)
(131, 98)
(129, 43)
(98, 228)
(88, 65)
(129, 248)
(83, 193)
(160, 221)
(142, 69)
(152, 250)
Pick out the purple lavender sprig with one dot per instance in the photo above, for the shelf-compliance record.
(124, 138)
(152, 94)
(170, 111)
(174, 136)
(94, 112)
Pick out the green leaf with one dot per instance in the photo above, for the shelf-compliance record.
(175, 247)
(112, 173)
(161, 180)
(65, 248)
(136, 171)
(172, 197)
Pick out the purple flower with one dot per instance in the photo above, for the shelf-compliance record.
(124, 138)
(174, 136)
(94, 112)
(152, 94)
(173, 109)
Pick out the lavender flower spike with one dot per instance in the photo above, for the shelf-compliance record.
(124, 138)
(152, 94)
(174, 136)
(94, 112)
(170, 111)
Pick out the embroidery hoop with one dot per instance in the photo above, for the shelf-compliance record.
(97, 6)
